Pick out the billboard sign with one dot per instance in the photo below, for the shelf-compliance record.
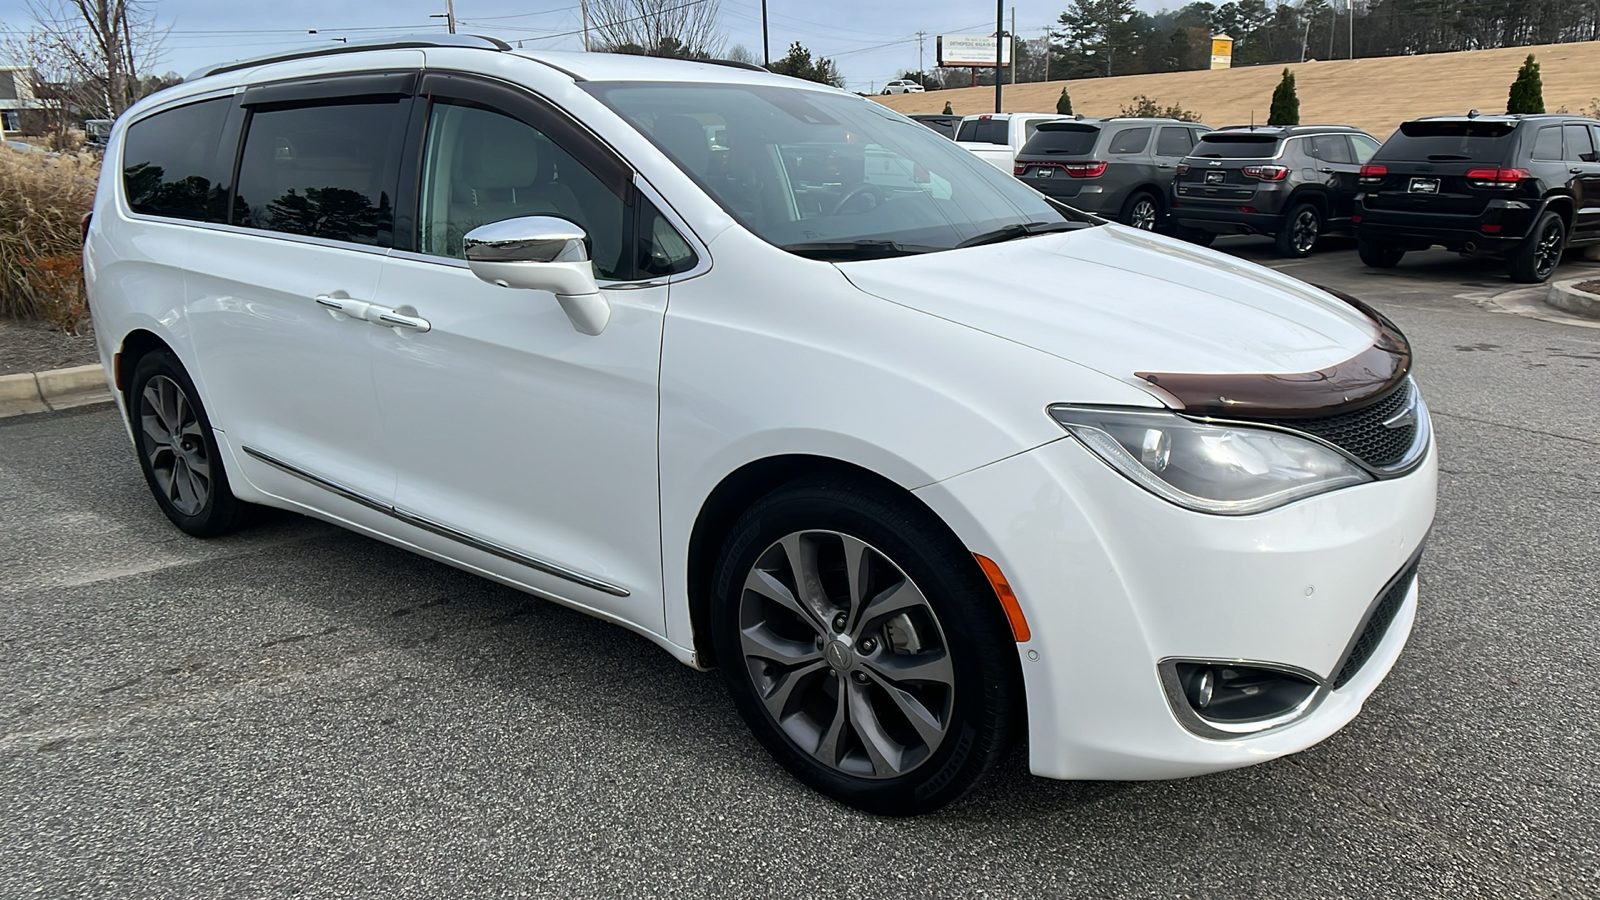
(1221, 52)
(974, 51)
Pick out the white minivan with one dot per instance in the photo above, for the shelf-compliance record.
(926, 464)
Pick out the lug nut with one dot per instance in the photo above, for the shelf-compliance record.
(860, 677)
(839, 622)
(869, 645)
(819, 642)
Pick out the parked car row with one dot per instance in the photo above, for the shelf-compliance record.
(1518, 188)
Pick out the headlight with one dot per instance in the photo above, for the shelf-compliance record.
(1226, 470)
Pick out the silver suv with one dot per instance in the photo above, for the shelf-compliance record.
(1120, 168)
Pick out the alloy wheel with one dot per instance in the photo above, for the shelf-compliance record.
(1143, 216)
(846, 654)
(175, 445)
(1305, 231)
(1548, 252)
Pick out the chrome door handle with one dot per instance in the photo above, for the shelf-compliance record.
(401, 320)
(1575, 171)
(331, 302)
(1327, 171)
(355, 309)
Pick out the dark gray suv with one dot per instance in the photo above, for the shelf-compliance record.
(1119, 168)
(1293, 183)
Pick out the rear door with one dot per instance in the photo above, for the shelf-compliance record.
(1337, 170)
(1584, 168)
(279, 295)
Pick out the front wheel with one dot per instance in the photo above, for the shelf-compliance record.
(864, 647)
(1535, 260)
(177, 449)
(1298, 234)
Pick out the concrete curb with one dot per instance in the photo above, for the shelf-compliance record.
(37, 392)
(1565, 296)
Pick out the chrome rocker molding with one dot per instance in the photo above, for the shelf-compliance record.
(445, 531)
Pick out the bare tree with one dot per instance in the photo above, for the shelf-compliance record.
(100, 47)
(678, 28)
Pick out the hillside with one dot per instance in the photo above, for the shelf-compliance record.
(1375, 94)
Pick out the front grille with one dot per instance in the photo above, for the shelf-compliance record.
(1362, 433)
(1377, 625)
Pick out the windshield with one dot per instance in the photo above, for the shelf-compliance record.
(807, 169)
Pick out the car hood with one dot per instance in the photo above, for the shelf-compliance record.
(1121, 301)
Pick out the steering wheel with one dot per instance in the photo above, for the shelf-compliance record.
(864, 188)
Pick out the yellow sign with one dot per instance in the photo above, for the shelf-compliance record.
(1221, 51)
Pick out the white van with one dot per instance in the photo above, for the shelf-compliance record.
(922, 461)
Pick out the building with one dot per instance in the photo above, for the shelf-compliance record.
(17, 96)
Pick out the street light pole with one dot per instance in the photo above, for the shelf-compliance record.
(450, 14)
(999, 44)
(766, 46)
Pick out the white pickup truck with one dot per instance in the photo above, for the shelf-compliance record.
(997, 137)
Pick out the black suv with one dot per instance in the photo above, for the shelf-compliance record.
(1522, 188)
(1294, 183)
(1118, 167)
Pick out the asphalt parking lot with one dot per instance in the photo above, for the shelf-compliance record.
(298, 711)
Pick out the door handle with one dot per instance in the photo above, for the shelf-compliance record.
(1328, 171)
(355, 309)
(1575, 171)
(1163, 165)
(401, 320)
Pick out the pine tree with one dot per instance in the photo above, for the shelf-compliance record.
(947, 110)
(1064, 103)
(1285, 103)
(1527, 92)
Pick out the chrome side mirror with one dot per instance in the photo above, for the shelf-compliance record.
(541, 253)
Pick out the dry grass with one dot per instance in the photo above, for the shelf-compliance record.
(1375, 94)
(42, 199)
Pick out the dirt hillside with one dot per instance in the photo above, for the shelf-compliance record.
(1375, 94)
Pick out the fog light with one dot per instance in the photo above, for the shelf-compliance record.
(1233, 699)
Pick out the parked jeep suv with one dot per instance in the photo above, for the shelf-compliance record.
(1294, 183)
(1119, 168)
(1523, 188)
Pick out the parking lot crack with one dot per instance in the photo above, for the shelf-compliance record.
(1517, 428)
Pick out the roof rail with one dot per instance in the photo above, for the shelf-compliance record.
(401, 42)
(734, 64)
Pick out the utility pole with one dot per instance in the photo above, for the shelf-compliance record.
(922, 77)
(450, 14)
(766, 46)
(584, 5)
(999, 43)
(1013, 45)
(1352, 5)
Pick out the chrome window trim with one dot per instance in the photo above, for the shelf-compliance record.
(1196, 724)
(445, 531)
(256, 232)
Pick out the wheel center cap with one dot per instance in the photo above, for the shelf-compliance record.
(839, 655)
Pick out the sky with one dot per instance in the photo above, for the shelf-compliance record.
(872, 42)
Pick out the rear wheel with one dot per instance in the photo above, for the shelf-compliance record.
(863, 646)
(177, 449)
(1379, 256)
(1536, 259)
(1142, 211)
(1298, 234)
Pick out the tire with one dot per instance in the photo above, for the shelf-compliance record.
(177, 449)
(1142, 210)
(1297, 235)
(1379, 256)
(1535, 260)
(810, 678)
(1197, 236)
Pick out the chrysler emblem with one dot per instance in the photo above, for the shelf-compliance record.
(1406, 416)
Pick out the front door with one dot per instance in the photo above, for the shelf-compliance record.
(526, 448)
(277, 295)
(1338, 170)
(1583, 165)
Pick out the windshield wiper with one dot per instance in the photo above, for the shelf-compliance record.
(845, 251)
(1440, 157)
(1018, 230)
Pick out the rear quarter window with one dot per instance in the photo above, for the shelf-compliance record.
(1133, 140)
(172, 164)
(1054, 139)
(984, 131)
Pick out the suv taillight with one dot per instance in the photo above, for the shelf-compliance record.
(1183, 168)
(1372, 174)
(1267, 173)
(1092, 169)
(1018, 169)
(1497, 178)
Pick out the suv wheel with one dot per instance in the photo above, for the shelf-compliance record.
(1142, 211)
(1300, 229)
(1379, 256)
(864, 647)
(177, 449)
(1536, 259)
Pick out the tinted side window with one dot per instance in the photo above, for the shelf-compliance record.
(1332, 148)
(1547, 145)
(662, 250)
(171, 164)
(984, 131)
(482, 166)
(1580, 148)
(1131, 141)
(1365, 147)
(1174, 141)
(322, 171)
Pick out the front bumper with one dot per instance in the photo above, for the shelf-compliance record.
(1113, 581)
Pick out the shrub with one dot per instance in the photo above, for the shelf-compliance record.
(1527, 92)
(1064, 103)
(1143, 107)
(1285, 102)
(42, 199)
